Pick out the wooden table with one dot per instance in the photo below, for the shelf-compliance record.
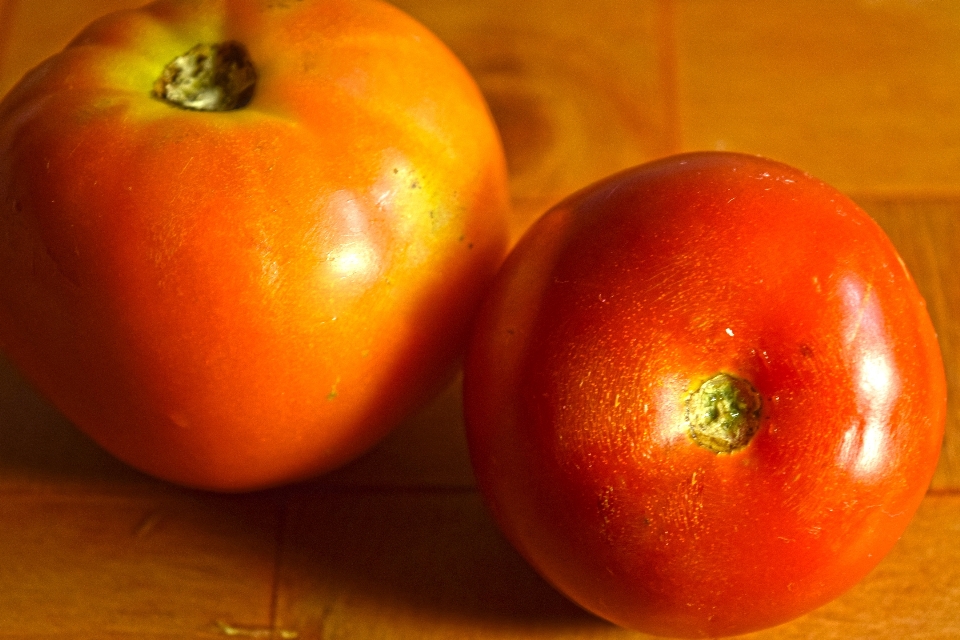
(864, 94)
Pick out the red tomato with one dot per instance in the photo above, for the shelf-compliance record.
(704, 395)
(234, 299)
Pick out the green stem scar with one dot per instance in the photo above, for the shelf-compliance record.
(724, 413)
(209, 77)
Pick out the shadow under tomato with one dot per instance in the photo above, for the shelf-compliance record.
(38, 445)
(410, 557)
(418, 562)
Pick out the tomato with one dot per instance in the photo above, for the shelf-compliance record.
(240, 239)
(704, 395)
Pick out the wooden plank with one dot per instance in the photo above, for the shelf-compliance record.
(75, 566)
(421, 565)
(861, 94)
(8, 11)
(369, 564)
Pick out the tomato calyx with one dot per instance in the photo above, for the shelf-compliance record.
(209, 77)
(723, 414)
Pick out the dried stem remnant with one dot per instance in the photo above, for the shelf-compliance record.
(209, 77)
(724, 413)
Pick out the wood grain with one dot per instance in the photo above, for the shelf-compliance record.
(860, 94)
(84, 565)
(863, 94)
(577, 94)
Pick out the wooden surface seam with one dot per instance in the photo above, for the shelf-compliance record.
(399, 544)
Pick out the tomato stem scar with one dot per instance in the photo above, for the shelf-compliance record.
(208, 77)
(723, 414)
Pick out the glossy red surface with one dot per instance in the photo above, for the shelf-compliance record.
(617, 305)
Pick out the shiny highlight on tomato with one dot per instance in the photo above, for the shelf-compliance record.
(704, 396)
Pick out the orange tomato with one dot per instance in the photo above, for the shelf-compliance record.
(235, 299)
(704, 396)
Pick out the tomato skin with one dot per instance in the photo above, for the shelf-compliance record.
(616, 305)
(241, 299)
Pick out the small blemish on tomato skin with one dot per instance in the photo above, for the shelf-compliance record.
(334, 390)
